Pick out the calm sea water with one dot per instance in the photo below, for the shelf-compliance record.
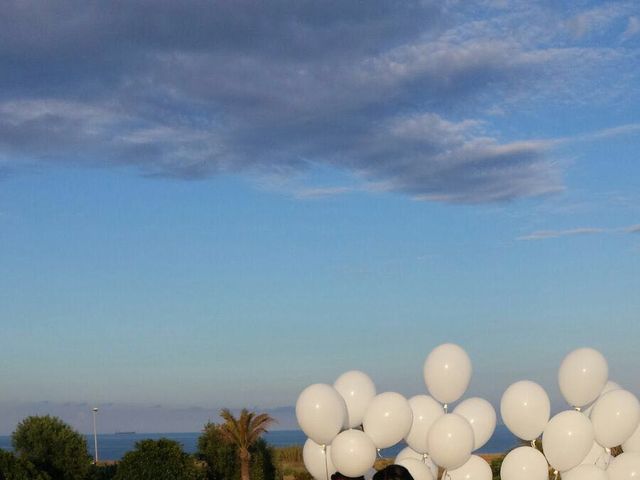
(113, 447)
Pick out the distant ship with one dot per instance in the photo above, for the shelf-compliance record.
(125, 433)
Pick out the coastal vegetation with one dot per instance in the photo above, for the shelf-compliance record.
(221, 458)
(46, 448)
(161, 459)
(52, 447)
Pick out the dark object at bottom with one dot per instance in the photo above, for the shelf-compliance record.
(393, 472)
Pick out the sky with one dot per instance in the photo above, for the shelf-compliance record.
(216, 204)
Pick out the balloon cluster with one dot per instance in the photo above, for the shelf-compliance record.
(348, 423)
(577, 442)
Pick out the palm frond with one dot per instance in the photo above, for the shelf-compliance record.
(259, 426)
(245, 430)
(230, 429)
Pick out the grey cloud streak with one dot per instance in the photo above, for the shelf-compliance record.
(548, 234)
(383, 90)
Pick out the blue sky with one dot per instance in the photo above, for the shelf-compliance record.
(217, 205)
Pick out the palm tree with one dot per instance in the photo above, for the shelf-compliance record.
(243, 433)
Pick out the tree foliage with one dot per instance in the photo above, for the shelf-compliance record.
(14, 468)
(262, 461)
(161, 459)
(244, 432)
(53, 447)
(496, 464)
(220, 456)
(103, 472)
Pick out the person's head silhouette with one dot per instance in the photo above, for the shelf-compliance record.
(339, 476)
(393, 472)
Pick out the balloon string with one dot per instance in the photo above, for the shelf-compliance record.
(445, 475)
(555, 475)
(603, 458)
(326, 463)
(608, 457)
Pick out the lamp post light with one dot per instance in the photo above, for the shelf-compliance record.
(95, 434)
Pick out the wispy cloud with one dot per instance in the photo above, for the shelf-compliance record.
(620, 130)
(548, 234)
(633, 29)
(599, 19)
(321, 192)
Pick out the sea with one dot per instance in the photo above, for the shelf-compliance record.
(114, 446)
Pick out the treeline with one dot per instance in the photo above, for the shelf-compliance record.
(46, 448)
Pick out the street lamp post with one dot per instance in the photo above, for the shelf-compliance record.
(95, 434)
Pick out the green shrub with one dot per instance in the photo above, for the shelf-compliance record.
(495, 467)
(14, 468)
(53, 447)
(103, 472)
(262, 464)
(219, 455)
(161, 459)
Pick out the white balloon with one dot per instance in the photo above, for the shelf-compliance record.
(408, 452)
(582, 376)
(625, 467)
(450, 441)
(425, 411)
(388, 419)
(481, 416)
(633, 442)
(585, 472)
(317, 460)
(417, 469)
(610, 386)
(358, 390)
(615, 417)
(567, 439)
(321, 413)
(476, 468)
(524, 463)
(525, 409)
(447, 372)
(353, 453)
(597, 456)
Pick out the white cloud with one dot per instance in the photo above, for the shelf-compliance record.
(633, 28)
(321, 192)
(546, 234)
